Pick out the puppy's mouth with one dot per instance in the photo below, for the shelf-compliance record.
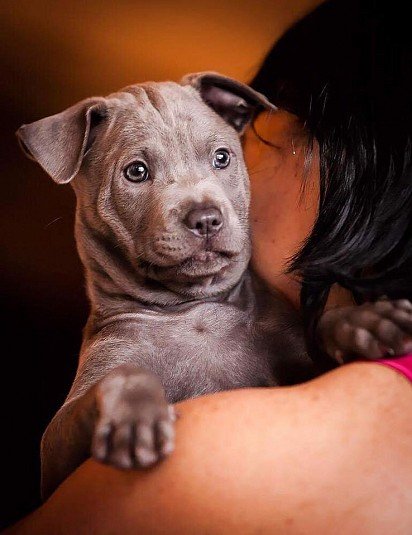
(202, 264)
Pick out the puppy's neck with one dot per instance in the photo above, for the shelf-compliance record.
(114, 286)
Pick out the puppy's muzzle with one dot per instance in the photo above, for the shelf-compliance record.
(204, 222)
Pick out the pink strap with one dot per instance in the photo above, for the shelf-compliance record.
(403, 364)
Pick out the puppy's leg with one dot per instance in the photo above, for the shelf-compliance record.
(123, 419)
(371, 331)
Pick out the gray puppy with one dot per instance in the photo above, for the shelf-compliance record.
(162, 230)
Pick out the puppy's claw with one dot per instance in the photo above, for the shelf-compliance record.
(145, 457)
(165, 437)
(173, 413)
(100, 443)
(119, 455)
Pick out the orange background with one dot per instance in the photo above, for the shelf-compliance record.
(55, 53)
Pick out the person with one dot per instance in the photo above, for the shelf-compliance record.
(331, 219)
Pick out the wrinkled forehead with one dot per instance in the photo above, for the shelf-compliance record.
(167, 113)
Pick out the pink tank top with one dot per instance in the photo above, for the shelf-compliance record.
(403, 364)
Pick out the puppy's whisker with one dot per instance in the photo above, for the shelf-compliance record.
(53, 222)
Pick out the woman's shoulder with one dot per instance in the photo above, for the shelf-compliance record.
(290, 459)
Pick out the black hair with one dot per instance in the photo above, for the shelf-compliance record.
(346, 71)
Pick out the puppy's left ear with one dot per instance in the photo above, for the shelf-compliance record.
(235, 102)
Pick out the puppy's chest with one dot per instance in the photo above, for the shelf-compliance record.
(209, 348)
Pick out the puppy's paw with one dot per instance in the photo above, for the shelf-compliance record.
(135, 424)
(371, 331)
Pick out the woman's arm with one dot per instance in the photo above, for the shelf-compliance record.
(332, 455)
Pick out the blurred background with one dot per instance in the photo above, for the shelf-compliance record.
(52, 54)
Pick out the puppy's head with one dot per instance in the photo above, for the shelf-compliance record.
(160, 179)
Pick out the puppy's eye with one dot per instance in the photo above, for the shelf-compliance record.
(221, 159)
(136, 172)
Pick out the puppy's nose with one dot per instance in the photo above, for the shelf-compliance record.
(204, 222)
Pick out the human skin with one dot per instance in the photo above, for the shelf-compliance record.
(328, 456)
(284, 181)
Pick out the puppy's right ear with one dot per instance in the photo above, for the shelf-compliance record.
(59, 142)
(235, 102)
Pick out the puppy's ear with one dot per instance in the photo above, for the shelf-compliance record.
(59, 142)
(235, 102)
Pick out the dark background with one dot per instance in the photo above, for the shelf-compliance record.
(53, 54)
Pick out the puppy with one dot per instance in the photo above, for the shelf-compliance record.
(162, 231)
